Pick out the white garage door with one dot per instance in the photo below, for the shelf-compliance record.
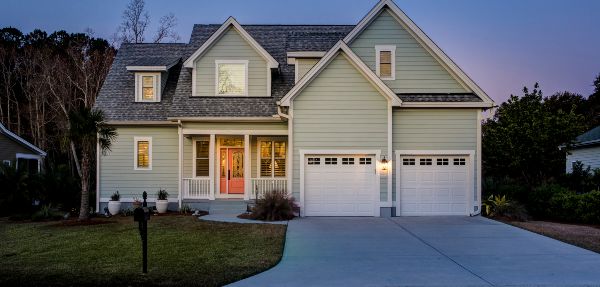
(339, 185)
(434, 185)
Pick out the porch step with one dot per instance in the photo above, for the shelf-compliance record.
(227, 207)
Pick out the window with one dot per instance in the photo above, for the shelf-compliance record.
(201, 165)
(314, 161)
(231, 77)
(347, 160)
(460, 161)
(143, 153)
(6, 162)
(273, 158)
(330, 160)
(425, 161)
(147, 87)
(365, 160)
(408, 161)
(442, 161)
(386, 62)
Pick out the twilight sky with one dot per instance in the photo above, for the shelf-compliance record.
(502, 44)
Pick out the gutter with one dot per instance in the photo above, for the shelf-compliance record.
(280, 113)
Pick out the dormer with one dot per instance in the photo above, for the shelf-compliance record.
(150, 77)
(231, 63)
(303, 61)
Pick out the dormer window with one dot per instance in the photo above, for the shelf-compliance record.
(231, 77)
(147, 87)
(386, 62)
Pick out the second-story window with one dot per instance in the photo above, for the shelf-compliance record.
(385, 62)
(231, 77)
(147, 87)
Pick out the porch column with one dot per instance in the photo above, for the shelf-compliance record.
(247, 172)
(211, 165)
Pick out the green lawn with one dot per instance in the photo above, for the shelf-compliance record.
(182, 250)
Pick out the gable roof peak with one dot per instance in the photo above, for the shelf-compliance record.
(231, 21)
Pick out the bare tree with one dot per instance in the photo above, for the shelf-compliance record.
(136, 21)
(166, 29)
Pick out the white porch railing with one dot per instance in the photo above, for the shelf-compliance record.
(259, 186)
(196, 188)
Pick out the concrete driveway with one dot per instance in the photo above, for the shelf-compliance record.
(424, 251)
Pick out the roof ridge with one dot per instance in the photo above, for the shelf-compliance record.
(308, 25)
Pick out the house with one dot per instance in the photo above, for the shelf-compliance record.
(585, 149)
(15, 150)
(371, 119)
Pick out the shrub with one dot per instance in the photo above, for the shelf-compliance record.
(572, 207)
(509, 187)
(162, 194)
(274, 206)
(539, 199)
(501, 207)
(46, 212)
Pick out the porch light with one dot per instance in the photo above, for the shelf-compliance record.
(384, 163)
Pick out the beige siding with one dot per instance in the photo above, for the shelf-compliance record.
(9, 148)
(588, 156)
(340, 109)
(117, 168)
(231, 46)
(417, 71)
(435, 129)
(304, 65)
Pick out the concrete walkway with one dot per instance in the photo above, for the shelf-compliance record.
(424, 251)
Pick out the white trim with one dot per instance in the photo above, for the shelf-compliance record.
(447, 104)
(271, 139)
(355, 61)
(306, 54)
(147, 68)
(296, 72)
(195, 155)
(228, 119)
(376, 153)
(470, 184)
(410, 26)
(194, 82)
(135, 153)
(12, 135)
(271, 62)
(236, 132)
(130, 199)
(6, 162)
(243, 62)
(290, 154)
(479, 160)
(392, 50)
(29, 156)
(390, 155)
(97, 173)
(268, 81)
(156, 80)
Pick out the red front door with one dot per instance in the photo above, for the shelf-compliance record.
(232, 170)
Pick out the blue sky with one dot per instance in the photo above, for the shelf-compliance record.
(502, 44)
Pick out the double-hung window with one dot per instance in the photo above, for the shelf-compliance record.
(201, 158)
(272, 158)
(143, 153)
(147, 87)
(385, 58)
(231, 77)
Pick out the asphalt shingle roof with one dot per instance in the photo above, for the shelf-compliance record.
(117, 97)
(592, 135)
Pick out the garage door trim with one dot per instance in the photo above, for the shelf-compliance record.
(470, 171)
(375, 153)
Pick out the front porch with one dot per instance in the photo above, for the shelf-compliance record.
(235, 166)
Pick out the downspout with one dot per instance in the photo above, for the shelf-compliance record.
(180, 160)
(280, 113)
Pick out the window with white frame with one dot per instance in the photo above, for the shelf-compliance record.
(143, 153)
(273, 158)
(147, 87)
(201, 157)
(6, 162)
(385, 57)
(231, 77)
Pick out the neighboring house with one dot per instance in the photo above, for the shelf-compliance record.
(15, 150)
(370, 119)
(585, 149)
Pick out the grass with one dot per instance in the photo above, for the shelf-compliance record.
(584, 236)
(182, 250)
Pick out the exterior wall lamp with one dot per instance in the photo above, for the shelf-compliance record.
(384, 163)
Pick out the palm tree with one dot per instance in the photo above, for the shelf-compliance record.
(87, 129)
